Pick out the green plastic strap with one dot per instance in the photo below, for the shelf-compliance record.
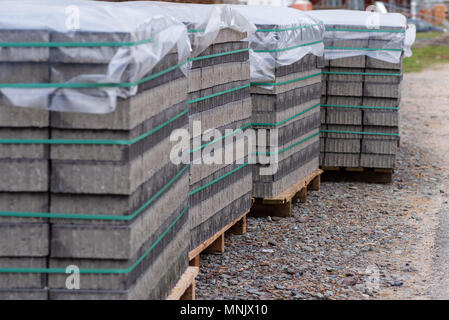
(99, 271)
(284, 82)
(289, 147)
(364, 49)
(358, 107)
(218, 179)
(291, 28)
(219, 93)
(73, 44)
(357, 132)
(89, 85)
(93, 142)
(291, 48)
(363, 73)
(218, 54)
(288, 119)
(221, 138)
(365, 30)
(196, 30)
(95, 217)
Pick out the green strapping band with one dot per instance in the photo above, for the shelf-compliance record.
(73, 44)
(291, 48)
(218, 54)
(358, 132)
(89, 85)
(218, 179)
(95, 217)
(195, 30)
(364, 49)
(365, 30)
(289, 147)
(284, 82)
(291, 28)
(363, 73)
(98, 271)
(358, 107)
(219, 93)
(288, 119)
(93, 142)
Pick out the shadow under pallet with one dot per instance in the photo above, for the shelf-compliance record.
(370, 175)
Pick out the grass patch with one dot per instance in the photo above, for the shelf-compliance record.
(425, 57)
(428, 35)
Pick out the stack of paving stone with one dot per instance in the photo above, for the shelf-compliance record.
(286, 58)
(361, 88)
(219, 98)
(118, 205)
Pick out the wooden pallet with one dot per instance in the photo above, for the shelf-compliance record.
(370, 175)
(281, 205)
(216, 242)
(185, 288)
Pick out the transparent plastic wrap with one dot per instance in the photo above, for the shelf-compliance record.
(81, 56)
(204, 22)
(383, 36)
(283, 37)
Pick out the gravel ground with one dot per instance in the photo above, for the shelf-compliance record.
(356, 240)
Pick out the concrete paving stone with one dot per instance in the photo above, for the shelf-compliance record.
(229, 35)
(338, 135)
(381, 118)
(383, 79)
(348, 62)
(12, 117)
(343, 116)
(345, 77)
(24, 239)
(277, 89)
(220, 219)
(382, 90)
(24, 54)
(342, 159)
(385, 161)
(383, 129)
(276, 103)
(380, 64)
(24, 175)
(272, 189)
(379, 146)
(345, 88)
(24, 72)
(23, 280)
(342, 145)
(383, 43)
(24, 294)
(23, 202)
(103, 241)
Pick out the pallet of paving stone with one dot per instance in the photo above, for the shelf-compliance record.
(347, 174)
(281, 205)
(106, 198)
(216, 243)
(185, 288)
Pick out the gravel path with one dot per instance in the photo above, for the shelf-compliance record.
(356, 240)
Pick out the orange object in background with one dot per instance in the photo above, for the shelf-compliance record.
(439, 12)
(302, 5)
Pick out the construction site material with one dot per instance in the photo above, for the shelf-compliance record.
(285, 91)
(362, 91)
(92, 189)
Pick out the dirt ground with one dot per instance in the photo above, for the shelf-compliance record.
(356, 240)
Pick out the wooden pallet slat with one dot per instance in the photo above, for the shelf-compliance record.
(185, 288)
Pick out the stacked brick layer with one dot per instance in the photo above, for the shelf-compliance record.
(360, 94)
(219, 99)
